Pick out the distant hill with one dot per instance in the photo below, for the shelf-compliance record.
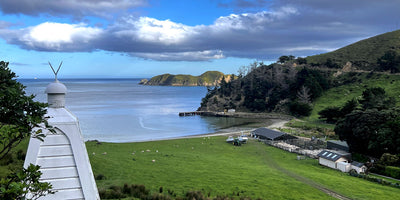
(362, 54)
(209, 78)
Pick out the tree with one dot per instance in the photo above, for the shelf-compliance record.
(330, 114)
(284, 59)
(304, 95)
(19, 116)
(301, 61)
(376, 98)
(300, 109)
(371, 132)
(390, 61)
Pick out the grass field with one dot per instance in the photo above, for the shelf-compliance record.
(214, 167)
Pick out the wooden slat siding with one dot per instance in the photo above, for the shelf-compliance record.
(71, 194)
(57, 173)
(55, 140)
(65, 183)
(51, 162)
(51, 151)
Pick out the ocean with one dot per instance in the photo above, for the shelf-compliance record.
(121, 110)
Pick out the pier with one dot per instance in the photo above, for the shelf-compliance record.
(192, 113)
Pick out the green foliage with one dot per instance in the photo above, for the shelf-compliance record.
(330, 114)
(209, 78)
(371, 132)
(393, 171)
(19, 115)
(313, 80)
(390, 61)
(24, 185)
(388, 159)
(376, 98)
(284, 59)
(299, 109)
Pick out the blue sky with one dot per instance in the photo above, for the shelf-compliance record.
(143, 38)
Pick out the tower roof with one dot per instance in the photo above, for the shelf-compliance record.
(56, 88)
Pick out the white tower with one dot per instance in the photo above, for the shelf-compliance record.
(62, 155)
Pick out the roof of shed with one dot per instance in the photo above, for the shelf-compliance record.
(357, 164)
(338, 142)
(329, 155)
(268, 133)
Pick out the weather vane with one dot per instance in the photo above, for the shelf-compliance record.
(54, 71)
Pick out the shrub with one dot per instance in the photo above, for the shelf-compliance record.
(392, 171)
(300, 109)
(100, 177)
(194, 195)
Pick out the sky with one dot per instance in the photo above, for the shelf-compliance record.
(144, 38)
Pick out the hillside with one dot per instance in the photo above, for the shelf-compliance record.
(209, 78)
(302, 88)
(363, 54)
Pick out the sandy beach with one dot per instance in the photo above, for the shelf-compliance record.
(232, 131)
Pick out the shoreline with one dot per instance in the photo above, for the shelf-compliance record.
(232, 131)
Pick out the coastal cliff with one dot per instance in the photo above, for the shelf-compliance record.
(209, 78)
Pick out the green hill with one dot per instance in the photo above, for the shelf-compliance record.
(303, 88)
(209, 78)
(362, 54)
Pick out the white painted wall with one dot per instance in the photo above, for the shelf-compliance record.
(343, 166)
(63, 158)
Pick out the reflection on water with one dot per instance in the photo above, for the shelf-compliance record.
(120, 110)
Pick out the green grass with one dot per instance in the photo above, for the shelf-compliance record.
(12, 163)
(212, 166)
(338, 96)
(368, 50)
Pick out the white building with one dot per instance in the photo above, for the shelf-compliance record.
(359, 167)
(333, 160)
(62, 155)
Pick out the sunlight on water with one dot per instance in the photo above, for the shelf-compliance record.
(120, 110)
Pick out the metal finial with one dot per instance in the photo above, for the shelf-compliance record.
(55, 72)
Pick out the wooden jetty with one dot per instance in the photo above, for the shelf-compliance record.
(192, 113)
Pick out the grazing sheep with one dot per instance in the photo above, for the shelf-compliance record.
(153, 161)
(105, 153)
(94, 153)
(147, 150)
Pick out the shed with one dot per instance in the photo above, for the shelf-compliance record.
(269, 134)
(331, 159)
(337, 145)
(359, 167)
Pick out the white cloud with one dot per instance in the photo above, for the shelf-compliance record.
(179, 56)
(55, 36)
(288, 27)
(152, 30)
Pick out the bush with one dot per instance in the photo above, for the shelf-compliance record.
(99, 177)
(194, 195)
(300, 109)
(392, 171)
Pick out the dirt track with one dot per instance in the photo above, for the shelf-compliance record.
(304, 180)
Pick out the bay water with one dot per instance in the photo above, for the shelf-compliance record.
(121, 110)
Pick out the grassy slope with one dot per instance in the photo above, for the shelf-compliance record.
(365, 50)
(339, 95)
(211, 165)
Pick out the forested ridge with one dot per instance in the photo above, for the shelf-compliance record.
(360, 98)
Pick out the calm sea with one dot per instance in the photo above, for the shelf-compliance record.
(121, 110)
